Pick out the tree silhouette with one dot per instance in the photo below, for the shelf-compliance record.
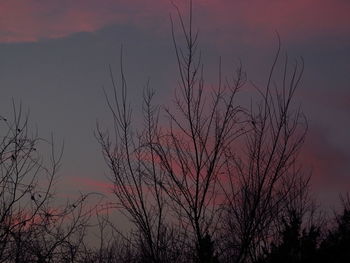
(297, 245)
(205, 179)
(33, 228)
(215, 181)
(335, 247)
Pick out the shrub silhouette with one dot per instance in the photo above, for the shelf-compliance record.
(297, 245)
(335, 247)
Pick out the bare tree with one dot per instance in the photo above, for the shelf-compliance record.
(175, 168)
(136, 174)
(265, 181)
(219, 176)
(192, 149)
(33, 227)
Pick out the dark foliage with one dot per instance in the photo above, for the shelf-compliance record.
(305, 245)
(336, 246)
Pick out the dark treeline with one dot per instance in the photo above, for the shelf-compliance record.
(206, 179)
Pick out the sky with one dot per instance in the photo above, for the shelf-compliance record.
(55, 54)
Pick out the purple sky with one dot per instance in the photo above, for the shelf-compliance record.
(55, 56)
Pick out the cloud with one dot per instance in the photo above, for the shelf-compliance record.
(23, 21)
(297, 17)
(331, 99)
(327, 163)
(32, 20)
(92, 185)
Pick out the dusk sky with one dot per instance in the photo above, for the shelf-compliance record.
(54, 58)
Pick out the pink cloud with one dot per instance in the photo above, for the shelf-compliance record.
(92, 185)
(24, 21)
(327, 163)
(291, 18)
(332, 98)
(31, 20)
